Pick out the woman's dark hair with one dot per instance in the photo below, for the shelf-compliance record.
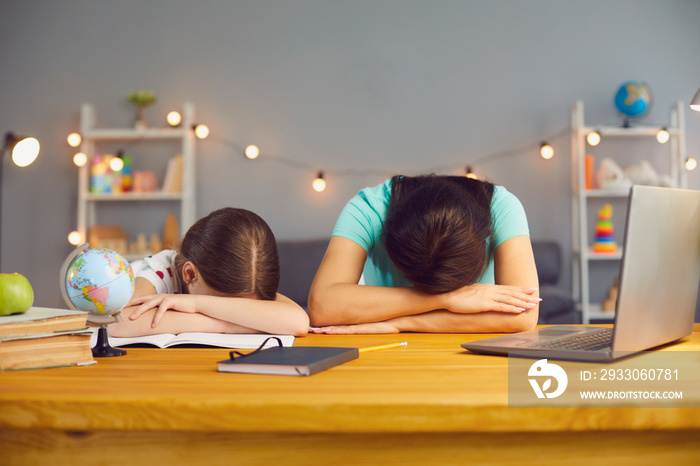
(436, 230)
(234, 251)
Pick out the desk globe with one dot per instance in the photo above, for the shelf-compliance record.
(99, 282)
(633, 100)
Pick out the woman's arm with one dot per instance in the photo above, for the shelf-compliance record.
(440, 321)
(204, 313)
(336, 299)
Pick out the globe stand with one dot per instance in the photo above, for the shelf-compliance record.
(102, 348)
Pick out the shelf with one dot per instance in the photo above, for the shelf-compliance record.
(606, 193)
(595, 313)
(584, 261)
(154, 196)
(604, 256)
(631, 131)
(118, 134)
(89, 204)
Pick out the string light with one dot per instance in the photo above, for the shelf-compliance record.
(593, 138)
(319, 183)
(201, 131)
(546, 151)
(691, 164)
(116, 164)
(80, 159)
(74, 139)
(75, 238)
(663, 135)
(174, 118)
(252, 152)
(470, 173)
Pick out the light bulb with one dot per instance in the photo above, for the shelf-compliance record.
(75, 238)
(252, 152)
(80, 159)
(319, 183)
(546, 151)
(25, 152)
(173, 118)
(116, 164)
(691, 164)
(593, 138)
(470, 174)
(74, 139)
(201, 131)
(663, 136)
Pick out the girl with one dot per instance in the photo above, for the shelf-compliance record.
(223, 280)
(437, 253)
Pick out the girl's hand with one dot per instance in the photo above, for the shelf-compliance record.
(162, 302)
(372, 327)
(487, 297)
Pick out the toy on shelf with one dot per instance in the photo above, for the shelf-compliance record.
(171, 233)
(105, 179)
(145, 181)
(610, 175)
(108, 237)
(604, 231)
(609, 304)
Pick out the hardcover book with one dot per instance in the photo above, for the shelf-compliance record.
(39, 320)
(41, 351)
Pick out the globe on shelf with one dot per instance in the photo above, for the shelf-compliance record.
(99, 282)
(633, 100)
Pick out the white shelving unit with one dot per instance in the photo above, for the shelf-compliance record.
(583, 254)
(92, 137)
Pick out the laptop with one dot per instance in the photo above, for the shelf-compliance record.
(658, 288)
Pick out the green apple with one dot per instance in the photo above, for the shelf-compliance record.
(16, 294)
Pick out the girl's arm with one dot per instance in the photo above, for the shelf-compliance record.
(204, 313)
(336, 299)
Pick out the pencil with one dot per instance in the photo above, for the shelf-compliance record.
(381, 347)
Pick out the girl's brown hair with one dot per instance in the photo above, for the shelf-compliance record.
(234, 251)
(436, 230)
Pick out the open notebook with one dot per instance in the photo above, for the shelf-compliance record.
(218, 340)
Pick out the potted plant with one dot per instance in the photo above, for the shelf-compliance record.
(141, 99)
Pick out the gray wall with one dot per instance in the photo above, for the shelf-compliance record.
(388, 85)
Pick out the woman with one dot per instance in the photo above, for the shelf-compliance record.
(437, 254)
(223, 279)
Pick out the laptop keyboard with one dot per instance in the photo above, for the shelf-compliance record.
(590, 341)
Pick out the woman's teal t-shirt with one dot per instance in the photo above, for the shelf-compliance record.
(362, 221)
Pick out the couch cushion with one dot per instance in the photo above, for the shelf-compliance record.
(548, 261)
(299, 261)
(556, 302)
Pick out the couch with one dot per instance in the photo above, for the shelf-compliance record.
(299, 260)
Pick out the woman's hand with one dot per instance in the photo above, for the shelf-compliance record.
(372, 327)
(488, 297)
(162, 302)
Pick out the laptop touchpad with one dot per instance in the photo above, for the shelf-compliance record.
(553, 332)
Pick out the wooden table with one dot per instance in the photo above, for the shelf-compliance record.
(428, 403)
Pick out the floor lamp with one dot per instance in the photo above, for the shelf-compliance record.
(24, 151)
(695, 103)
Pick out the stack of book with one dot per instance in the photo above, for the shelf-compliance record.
(43, 338)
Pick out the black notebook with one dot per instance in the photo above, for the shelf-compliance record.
(296, 360)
